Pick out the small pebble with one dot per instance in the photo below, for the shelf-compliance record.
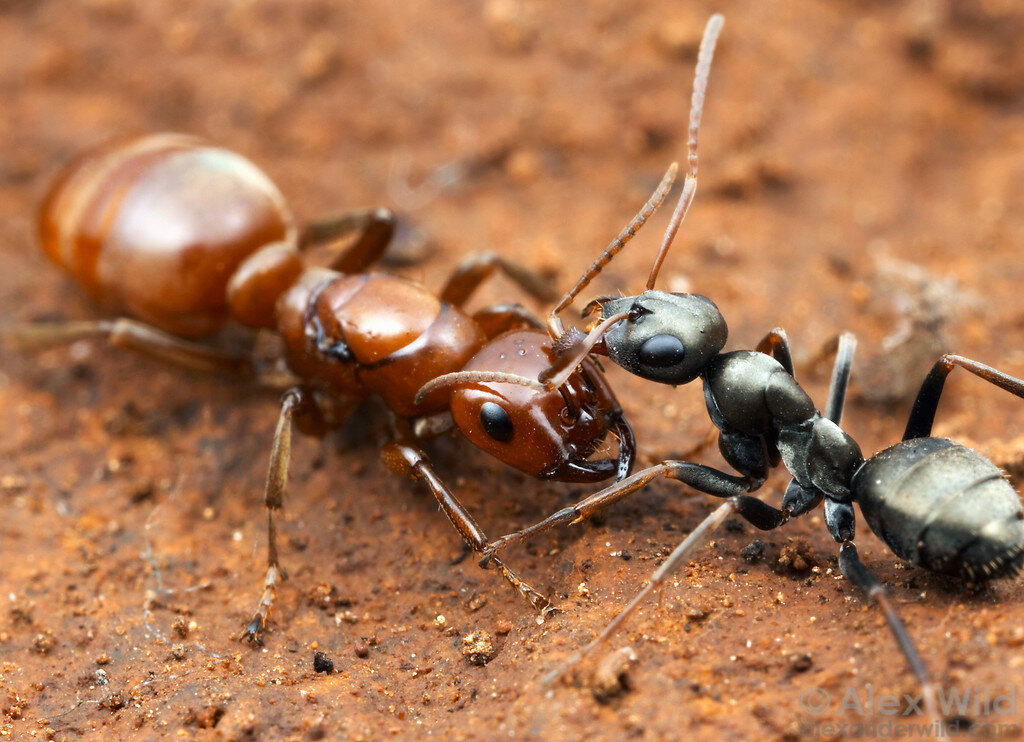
(479, 647)
(322, 663)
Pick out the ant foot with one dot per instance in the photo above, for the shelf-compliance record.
(496, 545)
(253, 632)
(539, 602)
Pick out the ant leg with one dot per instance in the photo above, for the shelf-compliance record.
(759, 514)
(376, 227)
(499, 318)
(799, 499)
(841, 369)
(476, 269)
(855, 571)
(922, 416)
(406, 459)
(298, 407)
(703, 478)
(132, 335)
(776, 344)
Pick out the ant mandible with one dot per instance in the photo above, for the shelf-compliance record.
(935, 503)
(179, 237)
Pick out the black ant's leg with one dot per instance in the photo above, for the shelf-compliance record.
(922, 416)
(499, 318)
(700, 477)
(776, 344)
(759, 514)
(297, 407)
(839, 518)
(799, 499)
(855, 571)
(132, 335)
(404, 458)
(376, 227)
(840, 377)
(476, 269)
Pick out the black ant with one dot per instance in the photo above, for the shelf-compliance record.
(178, 237)
(934, 502)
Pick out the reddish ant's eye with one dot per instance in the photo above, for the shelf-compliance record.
(496, 422)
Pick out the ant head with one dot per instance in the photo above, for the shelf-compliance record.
(665, 337)
(548, 433)
(656, 335)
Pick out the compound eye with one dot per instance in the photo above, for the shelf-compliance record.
(661, 351)
(496, 422)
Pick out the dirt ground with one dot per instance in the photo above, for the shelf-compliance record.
(862, 169)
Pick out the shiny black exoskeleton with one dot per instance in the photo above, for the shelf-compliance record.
(935, 503)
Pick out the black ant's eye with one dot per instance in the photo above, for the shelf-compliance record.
(496, 422)
(661, 351)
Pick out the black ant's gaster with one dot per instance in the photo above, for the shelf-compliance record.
(934, 502)
(178, 237)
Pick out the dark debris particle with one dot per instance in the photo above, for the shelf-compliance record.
(115, 701)
(610, 678)
(801, 662)
(479, 647)
(959, 723)
(205, 718)
(697, 614)
(734, 525)
(143, 491)
(43, 643)
(754, 551)
(180, 627)
(322, 663)
(796, 557)
(322, 596)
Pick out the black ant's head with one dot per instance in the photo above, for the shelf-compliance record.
(666, 337)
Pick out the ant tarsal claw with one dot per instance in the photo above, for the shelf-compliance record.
(253, 632)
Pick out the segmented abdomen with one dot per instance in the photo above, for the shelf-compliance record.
(943, 507)
(153, 228)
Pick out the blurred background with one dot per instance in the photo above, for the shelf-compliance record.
(862, 167)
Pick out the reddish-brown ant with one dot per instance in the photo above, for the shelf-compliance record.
(179, 237)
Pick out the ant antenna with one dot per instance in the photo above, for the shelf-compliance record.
(475, 377)
(700, 86)
(562, 369)
(554, 323)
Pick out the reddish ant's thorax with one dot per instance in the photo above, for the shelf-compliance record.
(375, 334)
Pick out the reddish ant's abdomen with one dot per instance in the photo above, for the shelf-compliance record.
(155, 227)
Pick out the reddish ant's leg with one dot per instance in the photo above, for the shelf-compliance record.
(298, 408)
(406, 459)
(476, 269)
(375, 228)
(499, 318)
(132, 335)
